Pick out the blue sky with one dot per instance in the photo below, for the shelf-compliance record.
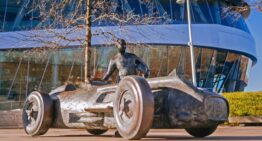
(255, 24)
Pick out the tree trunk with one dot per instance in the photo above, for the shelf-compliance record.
(88, 43)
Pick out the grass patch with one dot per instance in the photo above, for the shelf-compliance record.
(244, 103)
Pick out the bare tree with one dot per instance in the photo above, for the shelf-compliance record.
(88, 42)
(245, 8)
(79, 16)
(257, 4)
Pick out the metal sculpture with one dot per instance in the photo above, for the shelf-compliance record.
(126, 63)
(133, 107)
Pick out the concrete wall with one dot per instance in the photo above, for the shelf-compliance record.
(11, 119)
(246, 119)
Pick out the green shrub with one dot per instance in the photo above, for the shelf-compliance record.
(244, 103)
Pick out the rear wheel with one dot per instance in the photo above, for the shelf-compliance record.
(37, 114)
(201, 132)
(133, 107)
(96, 131)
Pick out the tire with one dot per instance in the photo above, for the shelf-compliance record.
(201, 132)
(133, 107)
(96, 131)
(37, 113)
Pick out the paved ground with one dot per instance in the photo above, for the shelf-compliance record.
(222, 134)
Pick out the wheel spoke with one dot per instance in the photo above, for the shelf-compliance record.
(29, 105)
(35, 107)
(32, 120)
(121, 114)
(28, 114)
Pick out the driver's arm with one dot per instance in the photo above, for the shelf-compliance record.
(142, 67)
(111, 68)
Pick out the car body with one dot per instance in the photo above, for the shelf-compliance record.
(133, 106)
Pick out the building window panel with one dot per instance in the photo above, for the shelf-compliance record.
(161, 59)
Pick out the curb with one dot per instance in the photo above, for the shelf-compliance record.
(246, 120)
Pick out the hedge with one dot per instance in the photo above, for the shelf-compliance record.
(244, 103)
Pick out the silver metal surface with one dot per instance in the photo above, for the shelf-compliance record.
(177, 104)
(190, 43)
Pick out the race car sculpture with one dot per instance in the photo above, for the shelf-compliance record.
(132, 107)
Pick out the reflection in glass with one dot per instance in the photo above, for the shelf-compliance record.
(203, 12)
(219, 71)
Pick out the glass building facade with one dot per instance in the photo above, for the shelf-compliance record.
(20, 16)
(218, 70)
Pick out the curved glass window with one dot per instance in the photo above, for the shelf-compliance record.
(220, 71)
(202, 11)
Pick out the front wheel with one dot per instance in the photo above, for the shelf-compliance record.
(133, 107)
(201, 131)
(37, 113)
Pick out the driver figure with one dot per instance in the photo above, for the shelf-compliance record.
(125, 63)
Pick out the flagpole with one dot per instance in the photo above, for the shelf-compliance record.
(190, 44)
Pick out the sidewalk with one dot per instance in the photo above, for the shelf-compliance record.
(222, 134)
